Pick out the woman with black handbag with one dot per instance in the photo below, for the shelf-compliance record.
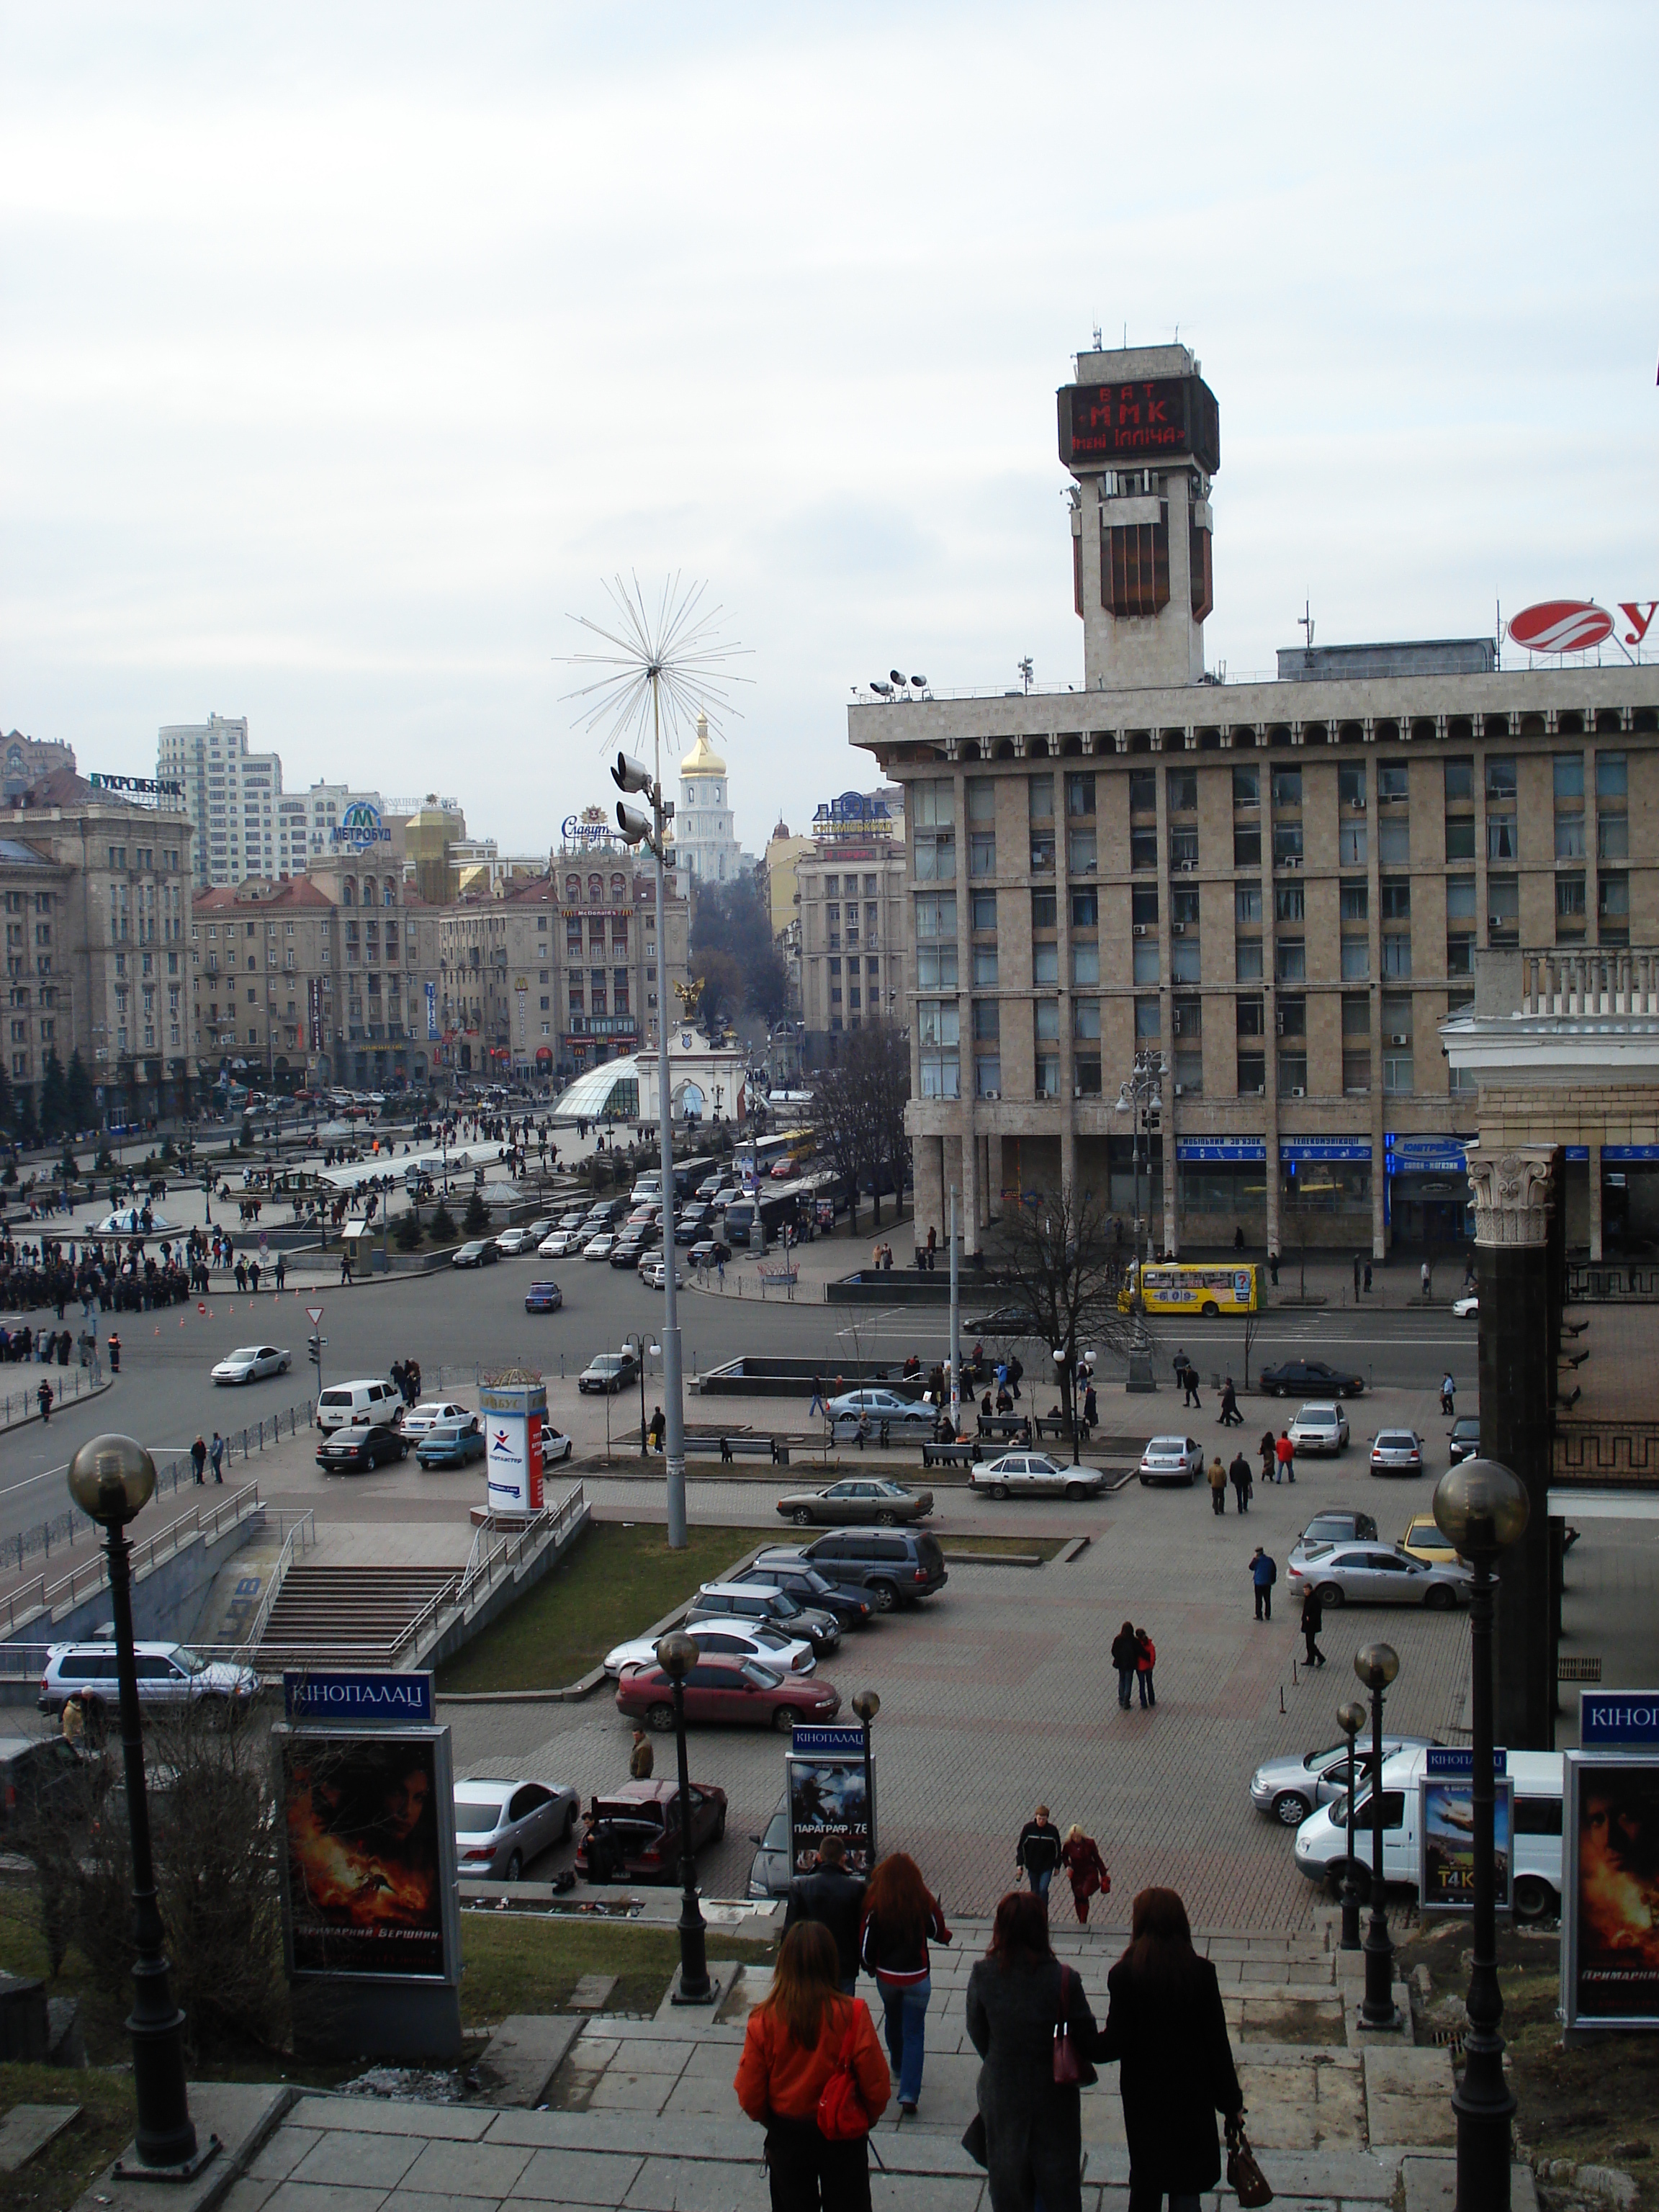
(1030, 2023)
(1166, 2028)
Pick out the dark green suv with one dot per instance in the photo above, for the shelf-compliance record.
(892, 1566)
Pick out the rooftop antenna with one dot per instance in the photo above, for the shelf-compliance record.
(1027, 670)
(1305, 621)
(1097, 337)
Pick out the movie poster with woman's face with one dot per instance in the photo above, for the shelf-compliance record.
(367, 1879)
(1611, 1974)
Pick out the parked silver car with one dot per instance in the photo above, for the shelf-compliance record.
(1397, 1451)
(1375, 1574)
(1172, 1459)
(1035, 1474)
(1321, 1426)
(1289, 1788)
(501, 1827)
(168, 1675)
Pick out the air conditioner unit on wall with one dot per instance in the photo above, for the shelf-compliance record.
(1139, 929)
(1396, 1038)
(1178, 929)
(1187, 867)
(1297, 1092)
(1358, 805)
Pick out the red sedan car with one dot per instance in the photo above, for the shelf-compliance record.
(728, 1690)
(641, 1825)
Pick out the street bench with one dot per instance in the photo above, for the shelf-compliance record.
(949, 1455)
(1058, 1426)
(1012, 1428)
(738, 1446)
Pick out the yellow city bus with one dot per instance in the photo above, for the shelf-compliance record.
(1170, 1286)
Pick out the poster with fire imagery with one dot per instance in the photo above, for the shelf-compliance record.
(1610, 1901)
(369, 1853)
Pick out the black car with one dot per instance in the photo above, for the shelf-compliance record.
(1006, 1321)
(891, 1566)
(1311, 1378)
(1465, 1434)
(1339, 1527)
(354, 1451)
(787, 1570)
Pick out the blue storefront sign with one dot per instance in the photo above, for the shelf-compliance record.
(1459, 1759)
(1629, 1152)
(1324, 1148)
(1610, 1718)
(431, 1011)
(328, 1694)
(1221, 1148)
(1427, 1155)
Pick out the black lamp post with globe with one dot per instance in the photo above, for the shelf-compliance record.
(1481, 1507)
(1376, 1665)
(676, 1654)
(1351, 1719)
(112, 1479)
(866, 1704)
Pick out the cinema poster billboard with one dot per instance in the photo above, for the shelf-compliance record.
(827, 1797)
(1610, 1891)
(368, 1853)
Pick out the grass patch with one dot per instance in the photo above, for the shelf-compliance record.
(518, 1963)
(619, 1579)
(1044, 1547)
(56, 2177)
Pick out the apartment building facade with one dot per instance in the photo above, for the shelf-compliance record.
(245, 825)
(329, 978)
(1279, 886)
(548, 978)
(854, 896)
(95, 892)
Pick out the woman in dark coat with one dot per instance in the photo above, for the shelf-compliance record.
(1166, 2028)
(1033, 2127)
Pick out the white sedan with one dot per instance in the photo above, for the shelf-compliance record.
(727, 1638)
(512, 1242)
(250, 1362)
(561, 1244)
(431, 1412)
(1172, 1459)
(1032, 1474)
(599, 1248)
(653, 1273)
(1467, 1307)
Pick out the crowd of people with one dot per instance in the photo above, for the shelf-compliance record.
(812, 2071)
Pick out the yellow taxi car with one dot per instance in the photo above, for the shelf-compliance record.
(1424, 1541)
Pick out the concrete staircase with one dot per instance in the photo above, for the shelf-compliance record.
(350, 1615)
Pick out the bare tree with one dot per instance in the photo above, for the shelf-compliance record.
(858, 1106)
(1065, 1270)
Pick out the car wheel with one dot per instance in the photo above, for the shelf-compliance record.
(887, 1520)
(1290, 1810)
(1329, 1593)
(1209, 1310)
(659, 1717)
(802, 1516)
(1439, 1599)
(1533, 1898)
(884, 1597)
(999, 1490)
(1075, 1490)
(785, 1718)
(514, 1867)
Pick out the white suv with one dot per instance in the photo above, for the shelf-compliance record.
(168, 1675)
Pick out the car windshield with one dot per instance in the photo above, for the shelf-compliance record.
(1164, 1445)
(776, 1837)
(192, 1662)
(782, 1607)
(763, 1678)
(1317, 1759)
(473, 1817)
(243, 1352)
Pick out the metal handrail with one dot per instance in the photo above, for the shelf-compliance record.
(305, 1530)
(548, 1523)
(434, 1605)
(208, 1522)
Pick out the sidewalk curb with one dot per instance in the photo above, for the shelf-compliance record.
(93, 1390)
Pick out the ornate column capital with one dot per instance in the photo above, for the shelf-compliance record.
(1511, 1193)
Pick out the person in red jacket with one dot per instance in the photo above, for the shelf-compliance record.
(1145, 1660)
(1080, 1855)
(798, 2036)
(1285, 1452)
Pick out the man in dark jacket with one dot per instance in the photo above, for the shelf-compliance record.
(1242, 1478)
(1126, 1657)
(834, 1899)
(1037, 1852)
(1313, 1620)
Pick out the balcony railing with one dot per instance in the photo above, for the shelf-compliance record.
(1616, 981)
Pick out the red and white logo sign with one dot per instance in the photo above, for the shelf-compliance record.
(1561, 626)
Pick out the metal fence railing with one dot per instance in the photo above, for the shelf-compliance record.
(299, 1537)
(205, 1521)
(68, 1384)
(510, 1553)
(64, 1530)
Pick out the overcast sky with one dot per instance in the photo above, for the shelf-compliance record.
(345, 349)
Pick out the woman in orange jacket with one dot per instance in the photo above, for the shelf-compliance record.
(799, 2036)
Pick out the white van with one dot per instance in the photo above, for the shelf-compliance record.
(1322, 1841)
(359, 1405)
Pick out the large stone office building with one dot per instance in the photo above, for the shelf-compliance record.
(1278, 885)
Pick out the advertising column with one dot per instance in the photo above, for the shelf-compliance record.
(1610, 1872)
(514, 1414)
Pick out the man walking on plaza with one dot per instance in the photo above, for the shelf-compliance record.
(1264, 1574)
(833, 1897)
(1230, 1416)
(1285, 1452)
(1218, 1486)
(1243, 1481)
(1313, 1620)
(1037, 1852)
